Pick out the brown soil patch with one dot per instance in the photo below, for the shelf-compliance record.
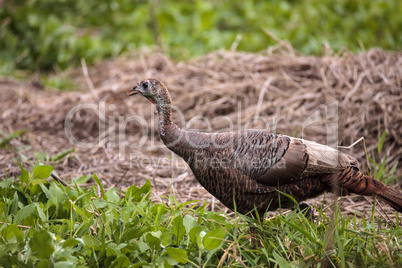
(293, 95)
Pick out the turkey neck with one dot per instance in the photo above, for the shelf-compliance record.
(173, 137)
(168, 131)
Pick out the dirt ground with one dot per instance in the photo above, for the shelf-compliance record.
(333, 99)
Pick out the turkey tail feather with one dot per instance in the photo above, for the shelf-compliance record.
(351, 180)
(392, 197)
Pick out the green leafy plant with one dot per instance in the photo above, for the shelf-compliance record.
(4, 142)
(49, 35)
(47, 224)
(44, 157)
(381, 170)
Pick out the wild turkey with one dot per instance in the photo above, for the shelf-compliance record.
(249, 170)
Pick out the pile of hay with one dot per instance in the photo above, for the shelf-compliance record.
(328, 100)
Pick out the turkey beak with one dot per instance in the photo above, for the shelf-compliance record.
(134, 91)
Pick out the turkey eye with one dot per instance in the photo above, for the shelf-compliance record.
(145, 84)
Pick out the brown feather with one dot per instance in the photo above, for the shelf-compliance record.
(249, 170)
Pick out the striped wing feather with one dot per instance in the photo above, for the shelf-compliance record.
(274, 160)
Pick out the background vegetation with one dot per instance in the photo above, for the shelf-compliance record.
(53, 34)
(45, 224)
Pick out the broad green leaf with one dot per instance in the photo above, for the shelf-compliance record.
(41, 244)
(14, 204)
(40, 212)
(166, 263)
(24, 213)
(113, 195)
(178, 228)
(121, 261)
(189, 223)
(214, 238)
(177, 254)
(143, 246)
(137, 194)
(215, 216)
(72, 242)
(112, 250)
(12, 230)
(134, 232)
(169, 261)
(196, 234)
(153, 242)
(281, 261)
(45, 190)
(6, 183)
(165, 238)
(24, 174)
(55, 190)
(42, 172)
(44, 263)
(156, 234)
(91, 241)
(100, 203)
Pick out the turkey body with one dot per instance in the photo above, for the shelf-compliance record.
(254, 171)
(248, 170)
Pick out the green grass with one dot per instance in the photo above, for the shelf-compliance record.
(53, 35)
(45, 224)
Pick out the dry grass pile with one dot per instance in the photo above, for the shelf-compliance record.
(309, 97)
